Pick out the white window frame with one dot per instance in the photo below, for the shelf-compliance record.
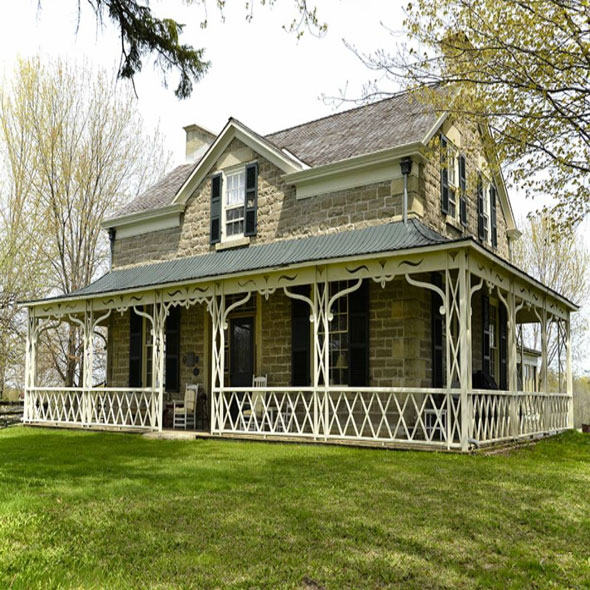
(487, 209)
(227, 174)
(453, 178)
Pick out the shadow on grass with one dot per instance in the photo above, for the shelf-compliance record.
(97, 510)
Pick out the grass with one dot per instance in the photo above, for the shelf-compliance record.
(97, 510)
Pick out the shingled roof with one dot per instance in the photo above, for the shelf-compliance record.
(389, 123)
(160, 194)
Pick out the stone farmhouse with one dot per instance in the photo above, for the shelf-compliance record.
(347, 279)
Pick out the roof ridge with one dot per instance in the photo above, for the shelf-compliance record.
(362, 106)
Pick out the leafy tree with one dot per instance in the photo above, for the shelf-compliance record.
(562, 265)
(521, 67)
(74, 150)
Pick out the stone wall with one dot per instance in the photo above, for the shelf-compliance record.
(280, 215)
(400, 335)
(193, 339)
(275, 339)
(429, 191)
(118, 350)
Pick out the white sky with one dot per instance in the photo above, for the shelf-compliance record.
(259, 74)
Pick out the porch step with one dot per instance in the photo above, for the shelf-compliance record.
(172, 435)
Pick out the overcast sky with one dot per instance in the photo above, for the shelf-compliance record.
(260, 74)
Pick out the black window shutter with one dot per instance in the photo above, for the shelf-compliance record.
(135, 348)
(463, 190)
(493, 215)
(358, 335)
(300, 340)
(173, 350)
(444, 176)
(437, 334)
(480, 217)
(503, 328)
(215, 226)
(485, 320)
(251, 203)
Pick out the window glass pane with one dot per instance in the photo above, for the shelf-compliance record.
(236, 186)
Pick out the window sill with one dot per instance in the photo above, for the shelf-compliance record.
(455, 223)
(234, 243)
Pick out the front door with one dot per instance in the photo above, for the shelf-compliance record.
(241, 346)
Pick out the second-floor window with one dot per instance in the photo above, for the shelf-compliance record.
(453, 182)
(233, 209)
(486, 210)
(234, 201)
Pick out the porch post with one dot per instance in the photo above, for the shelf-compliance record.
(568, 370)
(158, 345)
(544, 352)
(509, 303)
(321, 351)
(464, 349)
(217, 311)
(88, 360)
(30, 362)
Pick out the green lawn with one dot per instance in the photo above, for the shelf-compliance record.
(94, 510)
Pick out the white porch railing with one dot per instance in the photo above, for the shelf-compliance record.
(109, 406)
(403, 415)
(416, 416)
(501, 415)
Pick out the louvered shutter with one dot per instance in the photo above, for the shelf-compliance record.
(503, 328)
(215, 225)
(463, 190)
(358, 335)
(493, 219)
(300, 340)
(437, 333)
(251, 202)
(485, 315)
(135, 348)
(444, 176)
(480, 210)
(173, 350)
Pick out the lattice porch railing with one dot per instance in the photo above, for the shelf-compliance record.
(113, 407)
(502, 415)
(420, 416)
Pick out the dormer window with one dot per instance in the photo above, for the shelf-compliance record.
(234, 196)
(233, 210)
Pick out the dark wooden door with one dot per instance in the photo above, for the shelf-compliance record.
(241, 346)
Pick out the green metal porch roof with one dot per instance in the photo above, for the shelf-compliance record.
(371, 240)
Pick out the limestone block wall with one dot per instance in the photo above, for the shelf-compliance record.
(193, 339)
(275, 339)
(400, 335)
(429, 191)
(118, 350)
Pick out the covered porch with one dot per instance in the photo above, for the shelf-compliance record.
(337, 390)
